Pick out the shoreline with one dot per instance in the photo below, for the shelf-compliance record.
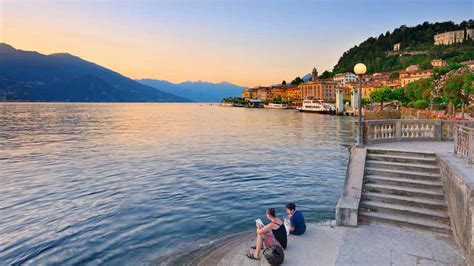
(211, 252)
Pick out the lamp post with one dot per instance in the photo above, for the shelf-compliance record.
(360, 69)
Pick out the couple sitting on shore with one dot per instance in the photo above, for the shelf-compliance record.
(276, 231)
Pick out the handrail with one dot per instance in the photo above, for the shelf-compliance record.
(464, 142)
(393, 130)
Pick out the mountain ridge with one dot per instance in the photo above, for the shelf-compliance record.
(32, 76)
(198, 91)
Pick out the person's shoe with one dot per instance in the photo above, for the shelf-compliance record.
(250, 255)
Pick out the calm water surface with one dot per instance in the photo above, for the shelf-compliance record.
(130, 183)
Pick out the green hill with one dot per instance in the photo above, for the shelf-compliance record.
(377, 53)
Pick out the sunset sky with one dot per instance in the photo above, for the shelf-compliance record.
(248, 43)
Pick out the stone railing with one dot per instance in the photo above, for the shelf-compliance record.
(378, 131)
(464, 142)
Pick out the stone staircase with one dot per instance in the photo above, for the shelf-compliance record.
(404, 188)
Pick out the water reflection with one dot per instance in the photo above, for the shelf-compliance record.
(125, 183)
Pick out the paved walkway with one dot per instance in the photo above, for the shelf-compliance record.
(364, 245)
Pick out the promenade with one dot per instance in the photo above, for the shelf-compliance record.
(365, 245)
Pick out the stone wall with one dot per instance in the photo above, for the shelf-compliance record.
(347, 209)
(412, 113)
(460, 198)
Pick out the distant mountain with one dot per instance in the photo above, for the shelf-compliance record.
(307, 77)
(31, 76)
(198, 91)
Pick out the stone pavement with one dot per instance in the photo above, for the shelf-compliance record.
(365, 245)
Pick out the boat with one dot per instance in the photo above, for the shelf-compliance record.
(227, 104)
(317, 106)
(276, 106)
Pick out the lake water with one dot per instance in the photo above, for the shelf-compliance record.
(130, 183)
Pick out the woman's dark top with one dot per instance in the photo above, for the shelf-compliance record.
(280, 235)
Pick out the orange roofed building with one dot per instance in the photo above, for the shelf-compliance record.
(320, 89)
(407, 77)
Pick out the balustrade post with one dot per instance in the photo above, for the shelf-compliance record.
(470, 154)
(455, 137)
(398, 130)
(438, 131)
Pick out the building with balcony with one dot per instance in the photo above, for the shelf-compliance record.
(294, 93)
(344, 78)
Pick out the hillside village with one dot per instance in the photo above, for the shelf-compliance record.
(412, 86)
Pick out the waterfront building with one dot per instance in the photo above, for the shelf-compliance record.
(278, 92)
(293, 93)
(451, 37)
(249, 93)
(343, 78)
(318, 89)
(264, 93)
(407, 77)
(438, 62)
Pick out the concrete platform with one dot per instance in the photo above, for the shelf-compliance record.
(365, 245)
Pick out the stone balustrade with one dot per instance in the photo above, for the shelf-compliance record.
(379, 131)
(464, 142)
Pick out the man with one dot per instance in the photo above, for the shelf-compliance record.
(296, 223)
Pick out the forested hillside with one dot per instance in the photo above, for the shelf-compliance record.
(373, 51)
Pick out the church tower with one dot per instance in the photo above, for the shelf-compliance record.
(314, 74)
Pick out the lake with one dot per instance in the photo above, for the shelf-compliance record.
(131, 183)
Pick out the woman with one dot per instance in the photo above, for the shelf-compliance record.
(265, 234)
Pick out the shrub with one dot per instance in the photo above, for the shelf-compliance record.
(420, 104)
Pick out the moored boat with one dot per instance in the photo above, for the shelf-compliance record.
(317, 106)
(276, 106)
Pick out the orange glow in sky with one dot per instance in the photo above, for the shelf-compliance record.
(241, 42)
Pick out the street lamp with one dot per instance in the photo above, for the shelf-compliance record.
(360, 69)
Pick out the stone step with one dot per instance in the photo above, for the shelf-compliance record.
(405, 221)
(402, 166)
(402, 173)
(433, 204)
(404, 191)
(401, 153)
(377, 206)
(400, 181)
(402, 159)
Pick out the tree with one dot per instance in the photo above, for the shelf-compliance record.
(326, 74)
(400, 95)
(283, 82)
(420, 89)
(373, 51)
(395, 75)
(381, 95)
(458, 90)
(296, 81)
